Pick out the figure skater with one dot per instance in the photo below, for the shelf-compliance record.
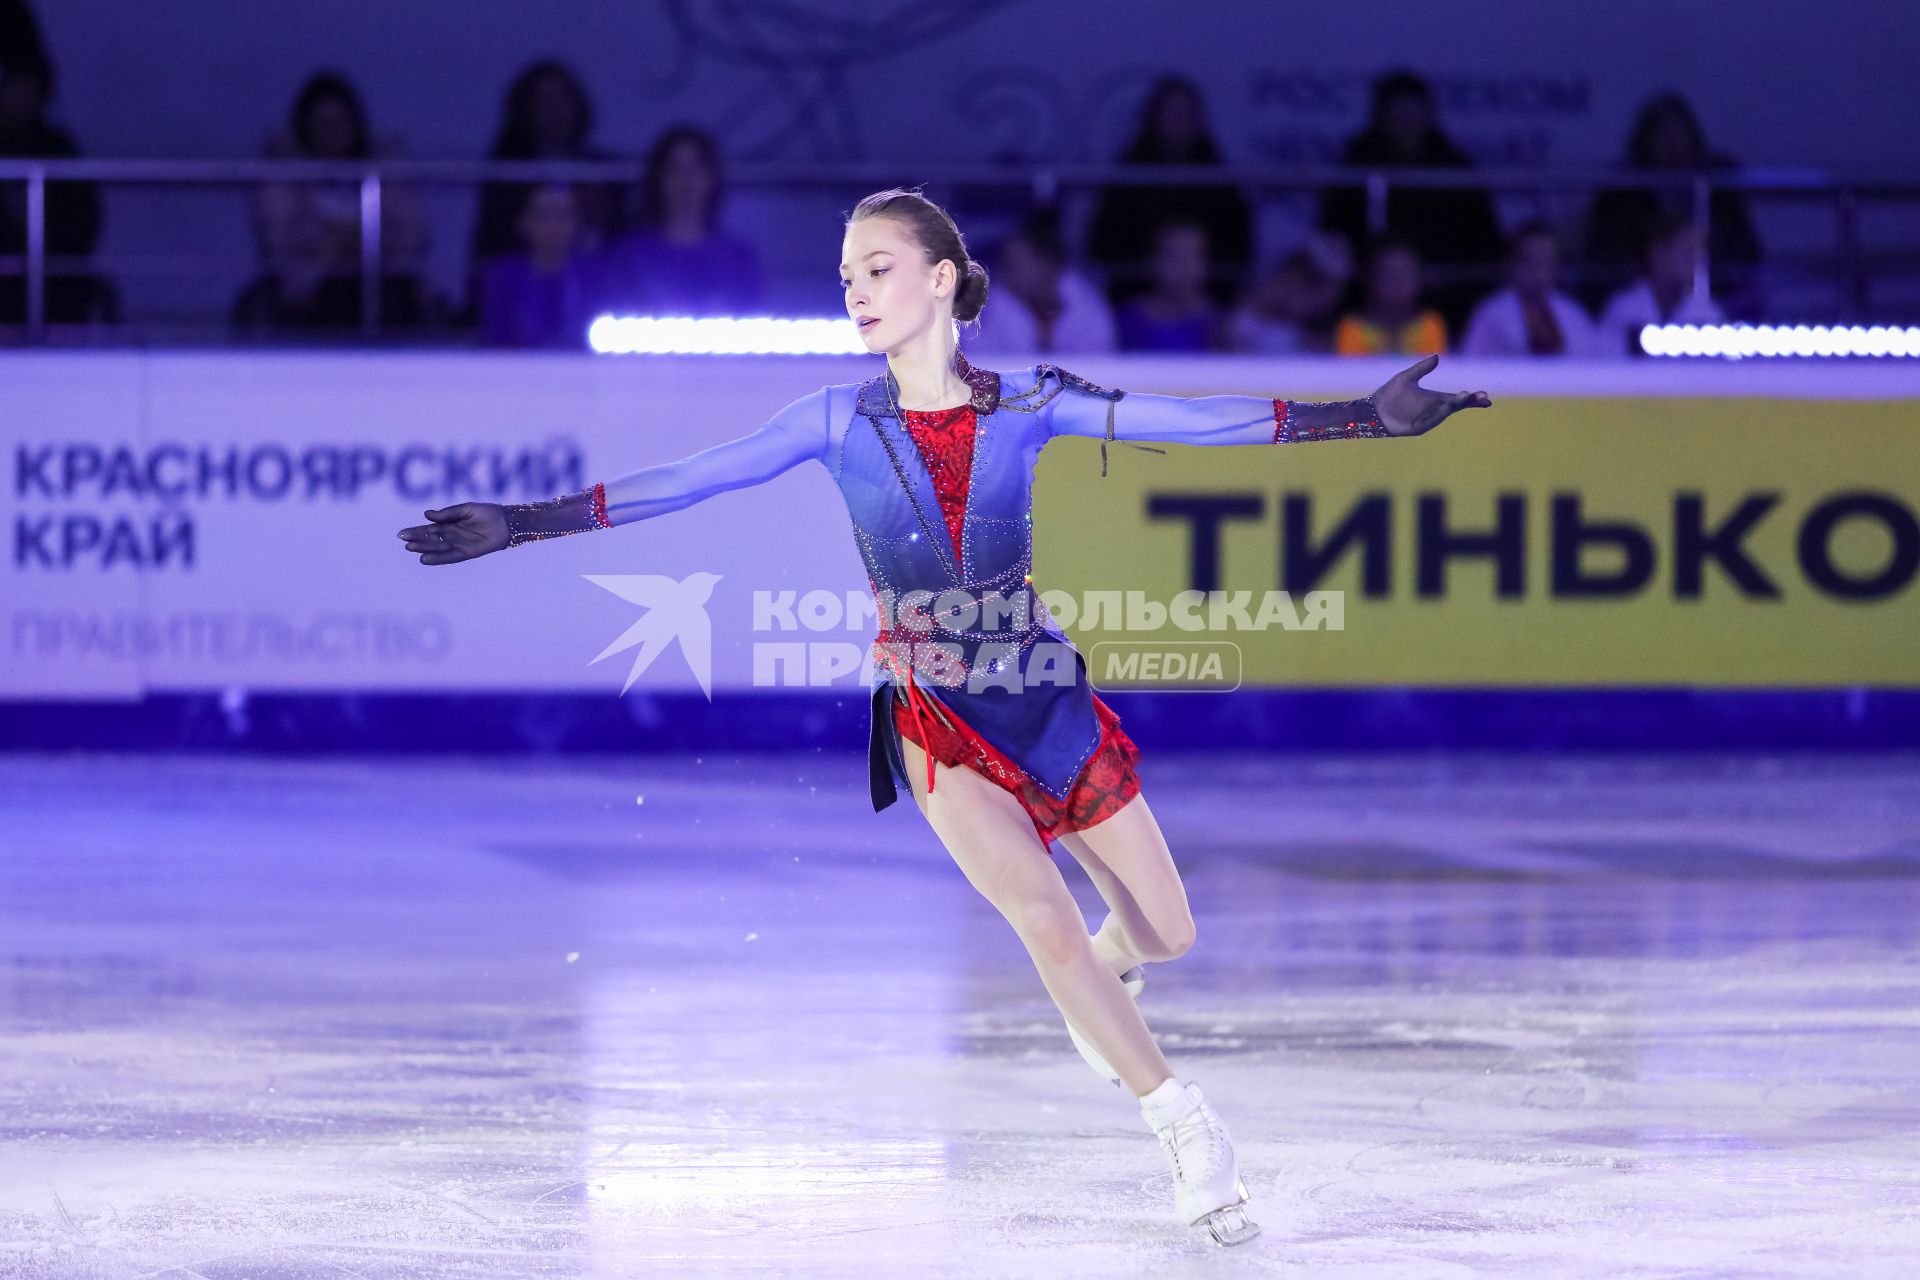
(982, 707)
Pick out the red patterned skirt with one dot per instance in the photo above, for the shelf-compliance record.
(1107, 781)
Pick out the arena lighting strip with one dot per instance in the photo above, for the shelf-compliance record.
(1738, 341)
(724, 336)
(775, 335)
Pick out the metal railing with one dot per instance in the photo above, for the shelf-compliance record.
(1046, 183)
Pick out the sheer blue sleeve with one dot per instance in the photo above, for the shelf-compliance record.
(1080, 408)
(792, 436)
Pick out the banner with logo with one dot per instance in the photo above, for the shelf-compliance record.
(204, 521)
(1545, 542)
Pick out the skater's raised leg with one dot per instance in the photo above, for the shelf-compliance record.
(1127, 858)
(991, 839)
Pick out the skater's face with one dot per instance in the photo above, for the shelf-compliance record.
(887, 279)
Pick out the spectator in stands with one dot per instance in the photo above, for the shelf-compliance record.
(680, 260)
(1292, 310)
(1042, 305)
(547, 114)
(1664, 294)
(1532, 316)
(1176, 313)
(1667, 136)
(542, 294)
(1394, 320)
(309, 232)
(1125, 227)
(74, 296)
(21, 44)
(1453, 228)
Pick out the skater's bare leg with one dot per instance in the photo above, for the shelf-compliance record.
(1127, 858)
(992, 840)
(1111, 950)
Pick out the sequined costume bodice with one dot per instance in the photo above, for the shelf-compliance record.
(945, 440)
(945, 515)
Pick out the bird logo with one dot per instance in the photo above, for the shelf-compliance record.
(675, 610)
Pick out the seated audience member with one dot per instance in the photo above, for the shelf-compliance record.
(73, 211)
(1532, 316)
(543, 294)
(1176, 313)
(547, 114)
(680, 261)
(1040, 303)
(1664, 294)
(1392, 320)
(309, 232)
(1172, 128)
(1454, 227)
(1292, 309)
(1668, 136)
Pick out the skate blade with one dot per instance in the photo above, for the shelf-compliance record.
(1230, 1226)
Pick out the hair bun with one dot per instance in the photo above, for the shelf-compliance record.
(971, 295)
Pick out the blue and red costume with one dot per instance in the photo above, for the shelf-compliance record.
(942, 513)
(1109, 778)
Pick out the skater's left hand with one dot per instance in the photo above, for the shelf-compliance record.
(463, 531)
(1408, 409)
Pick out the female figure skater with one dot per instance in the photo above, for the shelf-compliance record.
(988, 718)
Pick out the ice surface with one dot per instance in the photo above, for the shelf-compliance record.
(1465, 1016)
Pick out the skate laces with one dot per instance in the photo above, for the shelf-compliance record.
(1185, 1133)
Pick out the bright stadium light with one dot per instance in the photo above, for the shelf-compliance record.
(724, 335)
(1744, 341)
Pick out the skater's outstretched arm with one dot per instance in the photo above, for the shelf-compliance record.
(467, 530)
(1401, 407)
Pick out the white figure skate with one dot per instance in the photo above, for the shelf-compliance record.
(1207, 1188)
(1133, 980)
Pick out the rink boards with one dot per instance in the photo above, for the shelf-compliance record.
(183, 523)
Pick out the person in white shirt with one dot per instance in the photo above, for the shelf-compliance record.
(1665, 294)
(1045, 307)
(1532, 316)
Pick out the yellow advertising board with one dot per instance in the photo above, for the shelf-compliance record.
(1736, 542)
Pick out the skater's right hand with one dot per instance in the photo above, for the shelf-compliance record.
(463, 531)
